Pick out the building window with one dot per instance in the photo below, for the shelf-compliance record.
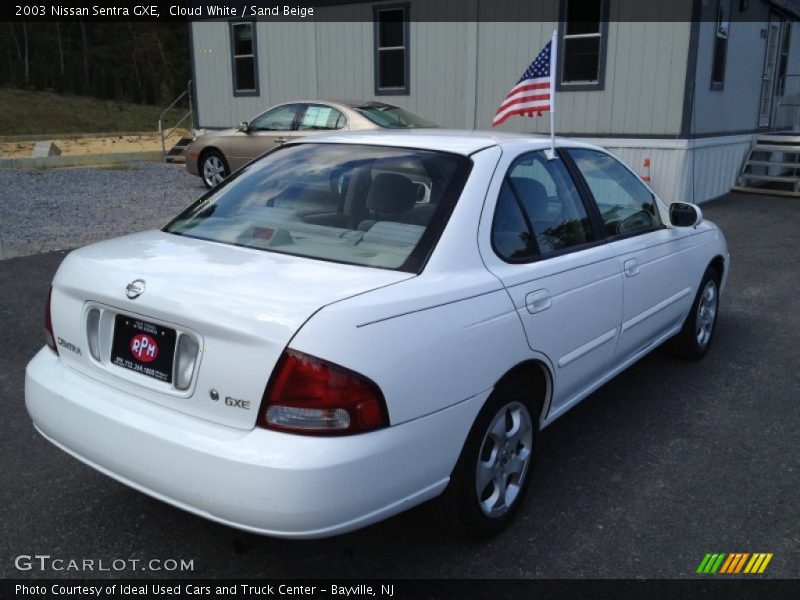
(783, 58)
(583, 40)
(391, 49)
(244, 59)
(720, 45)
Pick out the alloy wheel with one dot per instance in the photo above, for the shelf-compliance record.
(706, 314)
(504, 459)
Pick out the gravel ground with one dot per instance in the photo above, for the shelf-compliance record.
(53, 209)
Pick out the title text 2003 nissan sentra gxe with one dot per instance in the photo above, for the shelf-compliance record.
(353, 325)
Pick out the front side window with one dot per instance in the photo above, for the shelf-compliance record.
(391, 49)
(539, 210)
(280, 118)
(584, 32)
(364, 205)
(244, 61)
(626, 205)
(720, 45)
(318, 117)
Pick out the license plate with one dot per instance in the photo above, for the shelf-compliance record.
(143, 347)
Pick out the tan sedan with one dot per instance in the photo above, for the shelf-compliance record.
(216, 154)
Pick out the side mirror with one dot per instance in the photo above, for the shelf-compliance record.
(244, 126)
(683, 214)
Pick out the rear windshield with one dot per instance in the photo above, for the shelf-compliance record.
(393, 117)
(364, 205)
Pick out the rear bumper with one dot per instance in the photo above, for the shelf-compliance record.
(257, 480)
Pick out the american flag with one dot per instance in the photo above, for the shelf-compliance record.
(532, 93)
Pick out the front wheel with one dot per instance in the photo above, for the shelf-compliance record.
(213, 168)
(493, 473)
(694, 339)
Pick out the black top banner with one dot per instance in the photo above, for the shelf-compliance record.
(361, 10)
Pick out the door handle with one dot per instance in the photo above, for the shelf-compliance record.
(281, 140)
(538, 301)
(631, 267)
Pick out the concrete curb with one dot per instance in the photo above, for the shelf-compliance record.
(79, 160)
(72, 136)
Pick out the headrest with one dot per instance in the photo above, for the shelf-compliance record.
(391, 193)
(533, 195)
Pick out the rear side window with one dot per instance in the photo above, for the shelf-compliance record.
(393, 117)
(365, 205)
(539, 210)
(626, 205)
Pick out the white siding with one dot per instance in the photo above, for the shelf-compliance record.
(644, 79)
(714, 165)
(286, 70)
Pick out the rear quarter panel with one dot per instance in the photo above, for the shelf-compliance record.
(425, 349)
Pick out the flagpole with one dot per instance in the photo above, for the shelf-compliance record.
(553, 63)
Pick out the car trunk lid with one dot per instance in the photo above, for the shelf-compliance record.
(242, 305)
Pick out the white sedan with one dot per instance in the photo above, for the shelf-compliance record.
(356, 324)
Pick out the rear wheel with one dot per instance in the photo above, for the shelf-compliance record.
(694, 339)
(493, 473)
(213, 168)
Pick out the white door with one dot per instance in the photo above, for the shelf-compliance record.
(652, 257)
(770, 70)
(564, 281)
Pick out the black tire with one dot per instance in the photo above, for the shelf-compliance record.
(691, 343)
(460, 508)
(213, 168)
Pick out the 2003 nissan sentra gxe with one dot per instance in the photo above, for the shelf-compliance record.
(353, 325)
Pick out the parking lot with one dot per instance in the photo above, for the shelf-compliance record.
(667, 462)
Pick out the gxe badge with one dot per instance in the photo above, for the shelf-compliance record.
(135, 289)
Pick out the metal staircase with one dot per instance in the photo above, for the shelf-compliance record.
(772, 166)
(176, 154)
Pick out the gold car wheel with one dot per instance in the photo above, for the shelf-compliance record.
(214, 170)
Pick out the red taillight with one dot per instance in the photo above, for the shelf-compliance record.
(49, 337)
(312, 396)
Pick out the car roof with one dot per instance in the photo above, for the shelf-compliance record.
(342, 103)
(455, 141)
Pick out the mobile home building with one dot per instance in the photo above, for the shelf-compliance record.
(680, 99)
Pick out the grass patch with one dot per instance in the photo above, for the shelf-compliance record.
(26, 112)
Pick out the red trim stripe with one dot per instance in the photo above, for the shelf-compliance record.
(529, 86)
(521, 111)
(532, 98)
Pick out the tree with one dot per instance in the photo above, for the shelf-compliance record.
(143, 62)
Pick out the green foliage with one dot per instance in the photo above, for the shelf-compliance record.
(27, 112)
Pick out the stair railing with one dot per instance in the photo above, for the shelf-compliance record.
(166, 134)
